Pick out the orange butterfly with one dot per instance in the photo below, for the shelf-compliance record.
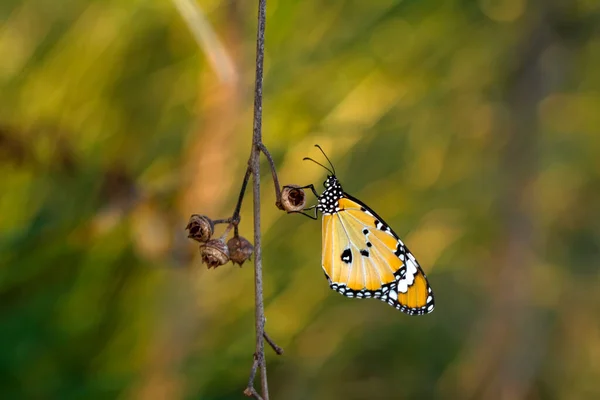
(362, 256)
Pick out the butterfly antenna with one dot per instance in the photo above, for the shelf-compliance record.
(318, 163)
(328, 160)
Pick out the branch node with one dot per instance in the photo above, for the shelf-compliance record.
(251, 392)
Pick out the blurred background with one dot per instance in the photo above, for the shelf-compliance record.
(472, 127)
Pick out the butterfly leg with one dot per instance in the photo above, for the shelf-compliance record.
(305, 214)
(311, 187)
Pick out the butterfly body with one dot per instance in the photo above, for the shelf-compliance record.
(364, 258)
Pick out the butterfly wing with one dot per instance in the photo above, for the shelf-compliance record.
(348, 271)
(363, 257)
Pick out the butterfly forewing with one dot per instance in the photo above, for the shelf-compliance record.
(336, 242)
(377, 271)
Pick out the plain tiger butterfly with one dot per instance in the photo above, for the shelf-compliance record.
(362, 257)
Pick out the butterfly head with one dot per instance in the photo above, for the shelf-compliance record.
(328, 200)
(331, 181)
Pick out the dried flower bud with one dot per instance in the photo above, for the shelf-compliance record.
(293, 199)
(240, 250)
(201, 228)
(214, 253)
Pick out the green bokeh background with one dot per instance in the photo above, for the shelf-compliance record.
(472, 127)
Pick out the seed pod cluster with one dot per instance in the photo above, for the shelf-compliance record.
(215, 252)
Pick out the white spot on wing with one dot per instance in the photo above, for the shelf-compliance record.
(409, 278)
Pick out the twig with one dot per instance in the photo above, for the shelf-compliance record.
(238, 207)
(255, 364)
(236, 213)
(222, 221)
(273, 345)
(235, 218)
(263, 148)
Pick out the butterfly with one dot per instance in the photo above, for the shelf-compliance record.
(362, 257)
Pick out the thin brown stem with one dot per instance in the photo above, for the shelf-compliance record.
(227, 230)
(264, 150)
(253, 373)
(235, 218)
(222, 221)
(255, 167)
(236, 213)
(273, 345)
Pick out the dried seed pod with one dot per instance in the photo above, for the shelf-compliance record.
(201, 228)
(214, 253)
(293, 199)
(240, 250)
